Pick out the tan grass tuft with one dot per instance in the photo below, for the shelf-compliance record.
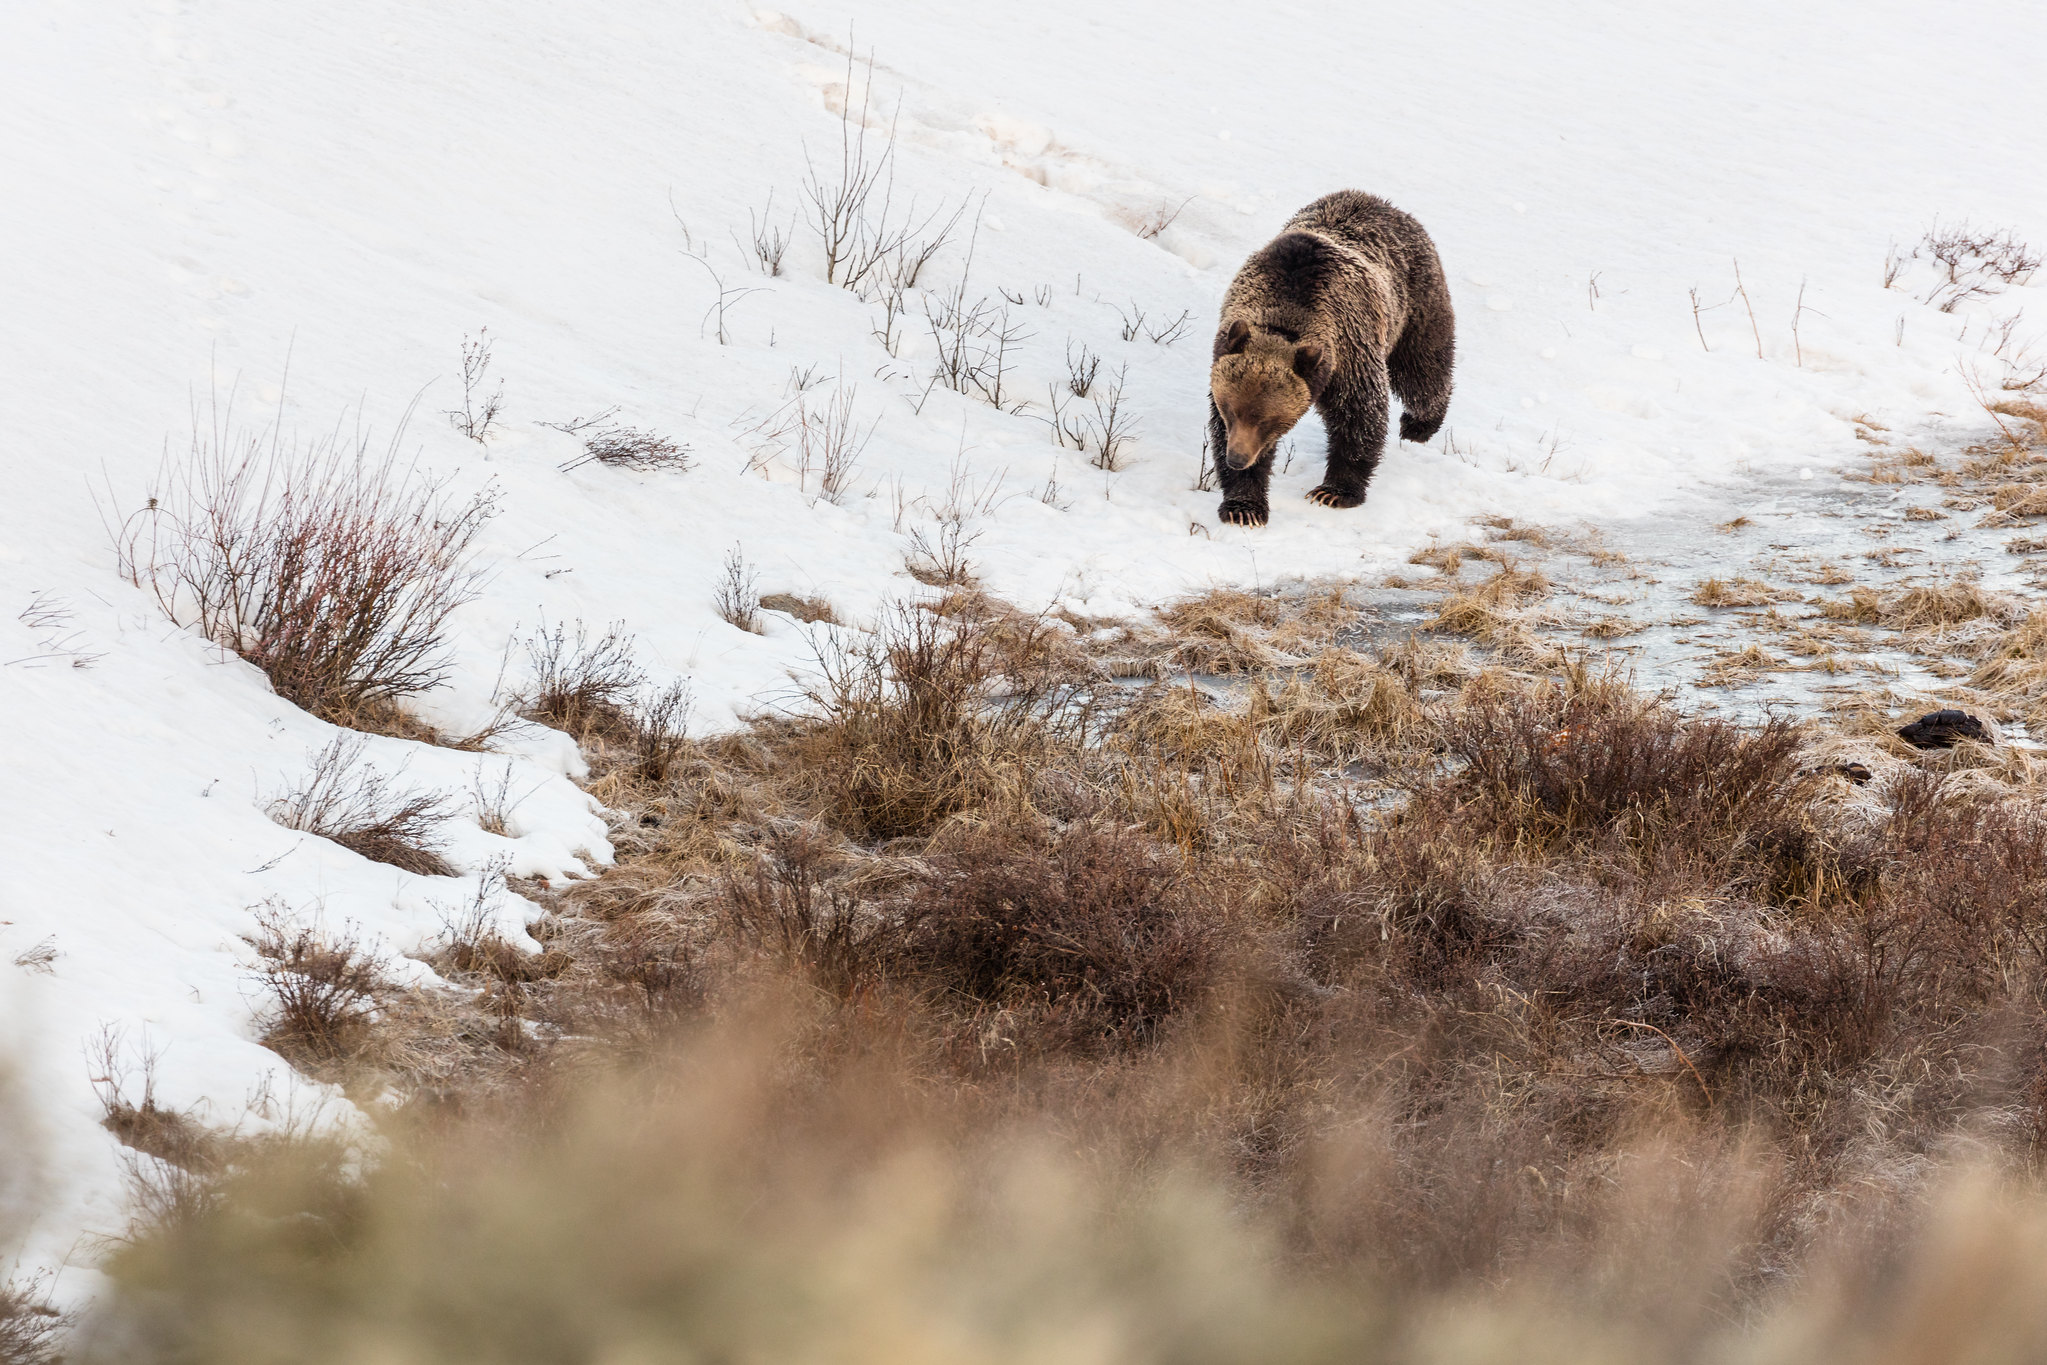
(1739, 592)
(1735, 670)
(1345, 708)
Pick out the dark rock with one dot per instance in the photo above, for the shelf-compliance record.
(1940, 730)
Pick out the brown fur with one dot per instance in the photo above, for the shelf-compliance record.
(1345, 305)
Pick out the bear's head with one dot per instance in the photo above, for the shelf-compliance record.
(1261, 385)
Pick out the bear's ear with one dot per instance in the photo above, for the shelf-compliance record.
(1311, 363)
(1233, 339)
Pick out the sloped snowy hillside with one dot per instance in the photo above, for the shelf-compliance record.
(311, 207)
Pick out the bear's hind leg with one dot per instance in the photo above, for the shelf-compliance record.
(1419, 371)
(1354, 412)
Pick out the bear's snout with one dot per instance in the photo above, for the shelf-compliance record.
(1242, 450)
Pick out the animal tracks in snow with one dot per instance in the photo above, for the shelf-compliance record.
(923, 115)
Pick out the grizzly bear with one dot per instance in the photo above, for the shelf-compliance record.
(1344, 304)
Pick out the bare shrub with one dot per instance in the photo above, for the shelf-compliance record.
(1894, 266)
(38, 956)
(332, 569)
(737, 598)
(1112, 427)
(479, 411)
(493, 801)
(938, 559)
(768, 241)
(1600, 762)
(580, 685)
(621, 447)
(31, 1329)
(787, 905)
(852, 207)
(1081, 369)
(1974, 262)
(356, 806)
(137, 1120)
(974, 344)
(831, 443)
(661, 731)
(50, 620)
(1097, 931)
(1066, 431)
(724, 300)
(1165, 333)
(472, 946)
(322, 989)
(1161, 218)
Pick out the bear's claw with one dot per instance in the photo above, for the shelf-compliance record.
(1328, 496)
(1233, 513)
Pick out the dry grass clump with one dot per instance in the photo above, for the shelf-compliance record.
(2014, 669)
(1739, 592)
(1215, 644)
(350, 802)
(1449, 559)
(1232, 604)
(1944, 604)
(1227, 631)
(1739, 668)
(2014, 502)
(331, 568)
(808, 610)
(1343, 708)
(929, 717)
(1219, 632)
(1184, 725)
(1931, 606)
(1488, 613)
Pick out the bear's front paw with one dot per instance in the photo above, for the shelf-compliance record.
(1236, 512)
(1329, 495)
(1418, 431)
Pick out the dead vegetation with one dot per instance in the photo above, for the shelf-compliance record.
(321, 989)
(1927, 606)
(332, 568)
(622, 447)
(1331, 950)
(30, 1328)
(808, 610)
(1739, 592)
(348, 800)
(1970, 262)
